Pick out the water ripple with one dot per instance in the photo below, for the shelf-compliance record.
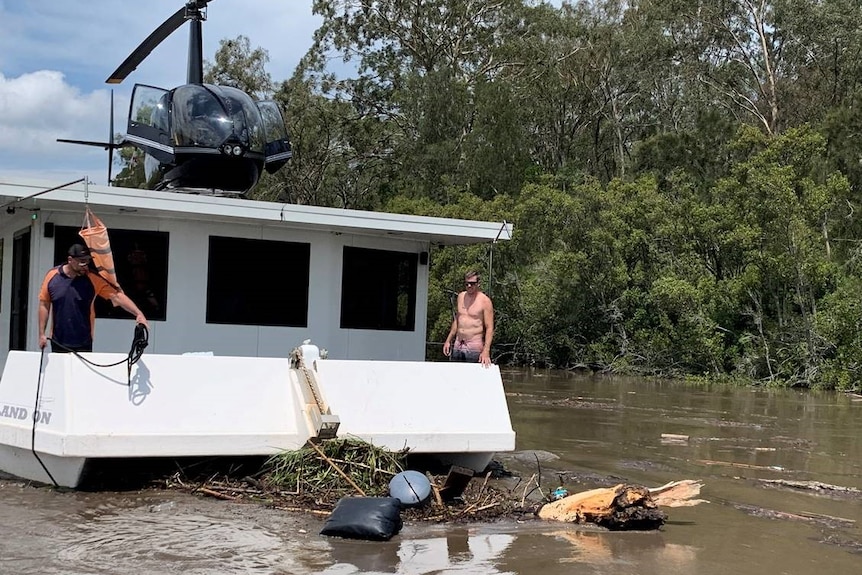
(145, 539)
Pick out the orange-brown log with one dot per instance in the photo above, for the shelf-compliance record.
(619, 507)
(678, 493)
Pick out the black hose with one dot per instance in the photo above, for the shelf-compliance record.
(140, 341)
(35, 418)
(139, 344)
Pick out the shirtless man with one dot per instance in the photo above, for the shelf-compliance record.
(472, 329)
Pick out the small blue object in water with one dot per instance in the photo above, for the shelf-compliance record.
(410, 487)
(559, 493)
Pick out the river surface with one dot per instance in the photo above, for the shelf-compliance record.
(739, 442)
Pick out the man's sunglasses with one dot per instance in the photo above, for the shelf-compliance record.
(472, 283)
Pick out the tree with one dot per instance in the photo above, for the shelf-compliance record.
(732, 47)
(418, 65)
(238, 66)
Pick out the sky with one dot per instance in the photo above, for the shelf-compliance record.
(56, 54)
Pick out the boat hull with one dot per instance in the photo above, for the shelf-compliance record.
(58, 412)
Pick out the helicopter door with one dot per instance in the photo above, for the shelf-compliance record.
(277, 143)
(149, 121)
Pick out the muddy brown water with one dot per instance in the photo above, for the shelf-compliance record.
(600, 429)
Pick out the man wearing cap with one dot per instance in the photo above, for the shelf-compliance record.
(67, 294)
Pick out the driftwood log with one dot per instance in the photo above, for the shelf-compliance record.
(678, 493)
(623, 507)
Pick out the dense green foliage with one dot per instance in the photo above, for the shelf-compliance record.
(683, 175)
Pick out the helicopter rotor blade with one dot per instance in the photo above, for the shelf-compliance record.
(105, 145)
(159, 34)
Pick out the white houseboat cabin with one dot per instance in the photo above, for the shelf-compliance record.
(232, 287)
(232, 276)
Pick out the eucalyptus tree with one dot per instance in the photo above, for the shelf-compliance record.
(421, 68)
(237, 65)
(583, 78)
(823, 55)
(824, 87)
(734, 48)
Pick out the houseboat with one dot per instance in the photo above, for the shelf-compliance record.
(238, 294)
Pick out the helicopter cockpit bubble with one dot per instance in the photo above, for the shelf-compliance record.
(210, 116)
(198, 117)
(247, 123)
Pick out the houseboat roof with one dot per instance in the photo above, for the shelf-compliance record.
(30, 194)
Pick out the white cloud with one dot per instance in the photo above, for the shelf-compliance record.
(56, 55)
(41, 105)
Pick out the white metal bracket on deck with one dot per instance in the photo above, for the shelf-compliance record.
(321, 419)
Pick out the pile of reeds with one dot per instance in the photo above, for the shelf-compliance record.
(314, 478)
(334, 468)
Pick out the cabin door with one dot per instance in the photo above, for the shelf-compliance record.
(20, 290)
(277, 143)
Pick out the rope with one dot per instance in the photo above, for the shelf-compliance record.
(139, 344)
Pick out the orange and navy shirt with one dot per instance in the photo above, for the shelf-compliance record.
(72, 310)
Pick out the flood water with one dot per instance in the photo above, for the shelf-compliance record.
(602, 429)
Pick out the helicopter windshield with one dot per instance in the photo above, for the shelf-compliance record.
(248, 124)
(208, 116)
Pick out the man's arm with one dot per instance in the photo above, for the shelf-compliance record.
(453, 330)
(488, 319)
(44, 312)
(447, 345)
(119, 299)
(44, 309)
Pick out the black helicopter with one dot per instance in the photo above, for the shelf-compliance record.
(198, 137)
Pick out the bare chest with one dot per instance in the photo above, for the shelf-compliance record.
(471, 306)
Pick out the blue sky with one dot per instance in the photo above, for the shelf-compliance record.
(56, 54)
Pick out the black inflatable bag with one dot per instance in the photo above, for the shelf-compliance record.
(372, 518)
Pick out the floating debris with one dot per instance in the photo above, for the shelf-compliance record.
(815, 486)
(315, 478)
(674, 439)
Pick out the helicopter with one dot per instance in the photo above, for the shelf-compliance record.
(197, 138)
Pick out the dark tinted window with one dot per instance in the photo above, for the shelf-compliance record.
(257, 282)
(141, 263)
(378, 289)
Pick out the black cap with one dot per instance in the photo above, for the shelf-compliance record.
(79, 251)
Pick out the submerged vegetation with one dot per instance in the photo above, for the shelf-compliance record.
(314, 478)
(334, 469)
(683, 176)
